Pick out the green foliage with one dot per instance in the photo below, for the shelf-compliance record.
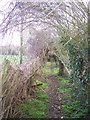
(77, 66)
(63, 90)
(44, 86)
(55, 71)
(70, 107)
(74, 110)
(46, 70)
(50, 68)
(33, 109)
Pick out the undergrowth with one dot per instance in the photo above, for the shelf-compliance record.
(70, 107)
(46, 69)
(36, 107)
(50, 69)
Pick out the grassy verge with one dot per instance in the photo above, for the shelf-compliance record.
(36, 108)
(70, 107)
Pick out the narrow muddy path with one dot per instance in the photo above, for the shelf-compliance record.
(54, 100)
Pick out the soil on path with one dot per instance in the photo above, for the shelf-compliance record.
(54, 100)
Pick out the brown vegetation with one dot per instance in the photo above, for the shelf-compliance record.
(17, 85)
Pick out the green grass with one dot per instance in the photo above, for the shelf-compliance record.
(14, 59)
(46, 69)
(33, 109)
(50, 69)
(44, 86)
(55, 71)
(36, 108)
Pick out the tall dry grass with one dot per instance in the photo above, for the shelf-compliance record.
(17, 85)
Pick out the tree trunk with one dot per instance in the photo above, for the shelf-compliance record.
(21, 39)
(61, 68)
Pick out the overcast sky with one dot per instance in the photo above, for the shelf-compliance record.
(15, 39)
(9, 39)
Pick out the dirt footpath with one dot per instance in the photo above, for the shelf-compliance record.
(54, 100)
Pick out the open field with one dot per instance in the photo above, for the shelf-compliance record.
(14, 59)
